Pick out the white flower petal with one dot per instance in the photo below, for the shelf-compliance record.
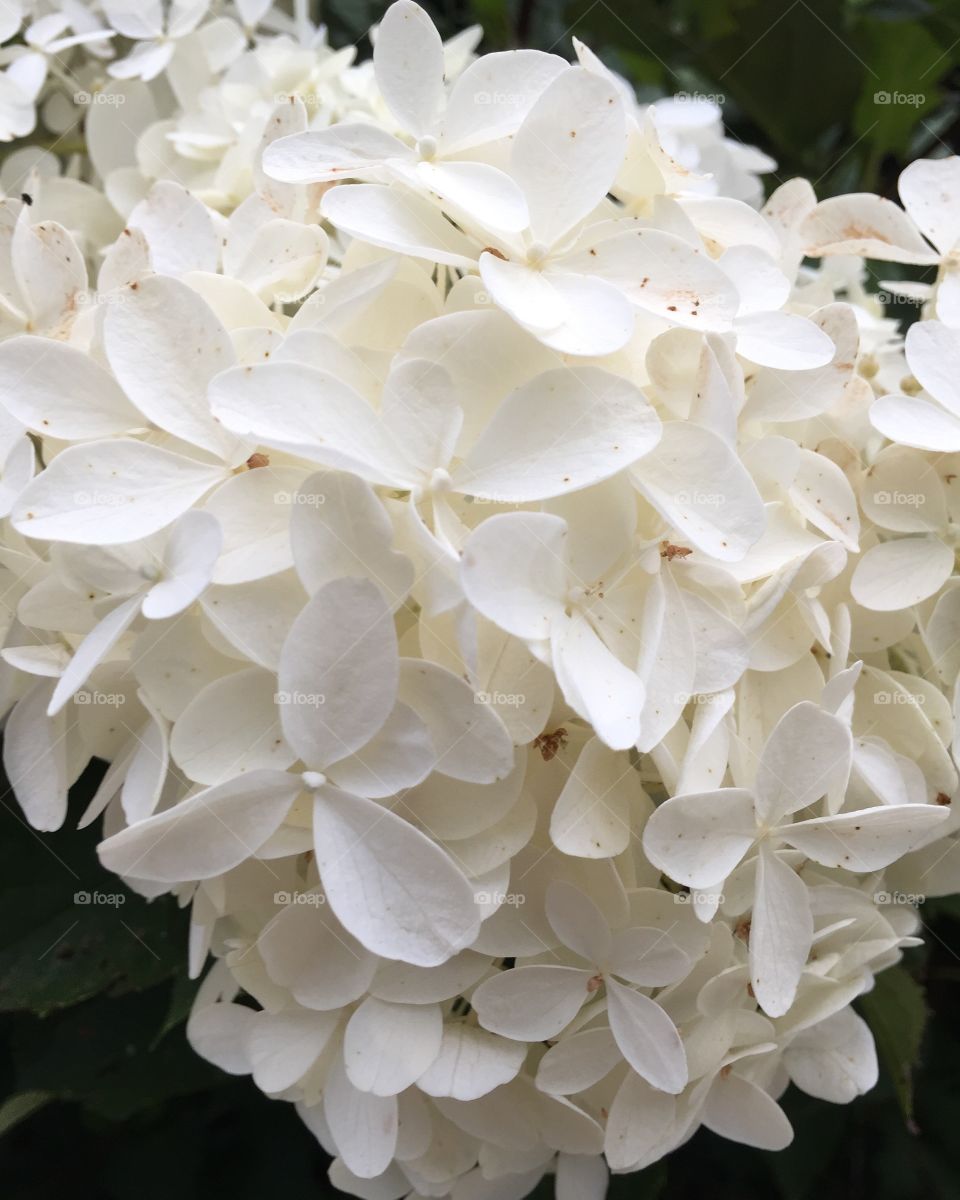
(699, 838)
(35, 757)
(933, 354)
(206, 834)
(930, 191)
(640, 1124)
(866, 225)
(386, 1046)
(189, 559)
(399, 755)
(179, 230)
(514, 571)
(596, 684)
(33, 375)
(901, 573)
(577, 922)
(647, 1038)
(110, 492)
(699, 485)
(334, 153)
(393, 888)
(408, 62)
(306, 949)
(92, 650)
(532, 1003)
(471, 1063)
(230, 727)
(913, 421)
(577, 1062)
(868, 839)
(470, 740)
(783, 340)
(781, 933)
(591, 818)
(338, 527)
(164, 344)
(739, 1110)
(835, 1060)
(568, 150)
(561, 432)
(806, 756)
(338, 672)
(397, 219)
(363, 1126)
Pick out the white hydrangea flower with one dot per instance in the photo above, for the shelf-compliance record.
(529, 585)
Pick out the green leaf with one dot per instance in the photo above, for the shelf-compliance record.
(905, 66)
(102, 1054)
(182, 992)
(70, 930)
(92, 947)
(896, 1012)
(18, 1108)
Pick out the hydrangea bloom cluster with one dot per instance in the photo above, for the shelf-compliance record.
(513, 590)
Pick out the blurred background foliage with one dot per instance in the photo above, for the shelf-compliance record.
(101, 1097)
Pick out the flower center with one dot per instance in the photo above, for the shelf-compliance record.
(427, 148)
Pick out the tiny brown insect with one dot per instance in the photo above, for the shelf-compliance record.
(942, 799)
(257, 460)
(669, 551)
(550, 744)
(742, 930)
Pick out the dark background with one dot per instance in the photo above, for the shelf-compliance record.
(101, 1097)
